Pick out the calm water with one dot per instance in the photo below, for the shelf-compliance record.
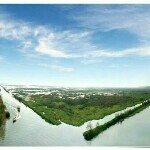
(31, 130)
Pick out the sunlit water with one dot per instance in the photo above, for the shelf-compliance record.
(31, 130)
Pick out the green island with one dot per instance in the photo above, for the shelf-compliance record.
(75, 106)
(91, 133)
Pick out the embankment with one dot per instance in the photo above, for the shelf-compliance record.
(90, 134)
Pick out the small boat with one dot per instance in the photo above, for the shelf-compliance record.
(18, 108)
(14, 120)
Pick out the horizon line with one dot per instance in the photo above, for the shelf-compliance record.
(60, 86)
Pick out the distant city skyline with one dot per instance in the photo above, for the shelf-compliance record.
(75, 45)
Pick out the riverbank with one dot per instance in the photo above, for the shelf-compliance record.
(3, 113)
(92, 133)
(5, 89)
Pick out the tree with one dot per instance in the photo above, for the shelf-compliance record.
(89, 126)
(97, 124)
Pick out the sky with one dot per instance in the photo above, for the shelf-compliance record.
(75, 45)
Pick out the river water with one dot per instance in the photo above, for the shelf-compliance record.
(31, 130)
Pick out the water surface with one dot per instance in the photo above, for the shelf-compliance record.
(31, 130)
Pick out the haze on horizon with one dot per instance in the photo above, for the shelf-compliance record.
(75, 45)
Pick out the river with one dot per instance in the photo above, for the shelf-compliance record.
(31, 130)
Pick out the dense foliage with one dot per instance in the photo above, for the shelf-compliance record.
(74, 109)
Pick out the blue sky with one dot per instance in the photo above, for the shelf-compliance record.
(75, 45)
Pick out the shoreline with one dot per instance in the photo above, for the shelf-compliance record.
(4, 114)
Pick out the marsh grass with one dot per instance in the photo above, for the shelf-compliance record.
(80, 110)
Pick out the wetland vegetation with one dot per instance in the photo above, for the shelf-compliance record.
(77, 106)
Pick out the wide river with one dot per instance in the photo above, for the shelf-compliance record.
(31, 130)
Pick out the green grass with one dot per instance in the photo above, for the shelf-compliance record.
(90, 134)
(78, 111)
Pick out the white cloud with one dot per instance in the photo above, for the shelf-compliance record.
(58, 67)
(36, 40)
(133, 18)
(45, 47)
(138, 51)
(14, 30)
(142, 51)
(106, 53)
(27, 44)
(91, 61)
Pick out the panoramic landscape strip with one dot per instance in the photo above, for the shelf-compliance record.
(90, 134)
(92, 110)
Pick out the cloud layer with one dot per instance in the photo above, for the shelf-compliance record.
(37, 40)
(133, 18)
